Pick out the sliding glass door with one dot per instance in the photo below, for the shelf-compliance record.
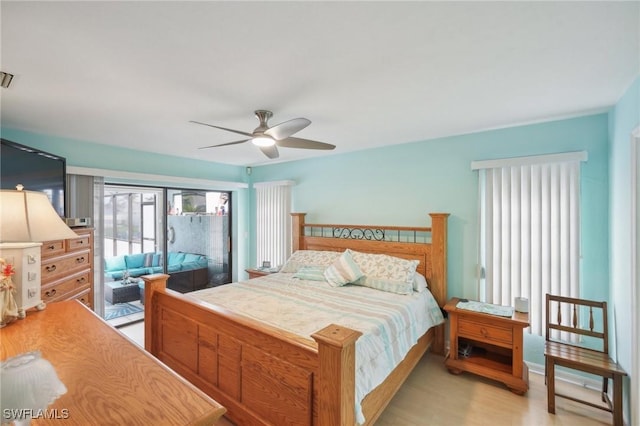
(133, 246)
(198, 224)
(184, 233)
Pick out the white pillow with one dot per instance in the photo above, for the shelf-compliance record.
(419, 283)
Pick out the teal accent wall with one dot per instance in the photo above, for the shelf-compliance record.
(400, 185)
(624, 118)
(81, 153)
(397, 185)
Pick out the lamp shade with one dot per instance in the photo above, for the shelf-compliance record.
(28, 216)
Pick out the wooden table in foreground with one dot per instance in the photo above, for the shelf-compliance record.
(497, 343)
(109, 379)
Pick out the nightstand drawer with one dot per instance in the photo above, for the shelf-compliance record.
(485, 332)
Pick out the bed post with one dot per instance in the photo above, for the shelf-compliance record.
(298, 230)
(439, 270)
(336, 376)
(152, 284)
(439, 256)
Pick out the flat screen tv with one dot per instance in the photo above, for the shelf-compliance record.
(34, 169)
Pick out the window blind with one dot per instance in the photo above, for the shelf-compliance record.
(273, 222)
(530, 231)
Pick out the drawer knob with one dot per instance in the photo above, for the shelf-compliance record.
(50, 293)
(81, 280)
(80, 260)
(51, 247)
(484, 332)
(50, 268)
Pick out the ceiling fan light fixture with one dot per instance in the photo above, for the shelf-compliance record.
(263, 141)
(269, 139)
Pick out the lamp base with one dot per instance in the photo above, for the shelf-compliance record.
(22, 312)
(25, 258)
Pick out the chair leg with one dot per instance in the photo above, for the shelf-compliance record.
(551, 391)
(605, 388)
(617, 400)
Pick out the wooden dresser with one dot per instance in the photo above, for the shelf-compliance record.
(67, 268)
(109, 379)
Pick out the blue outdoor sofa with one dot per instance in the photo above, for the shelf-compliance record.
(187, 271)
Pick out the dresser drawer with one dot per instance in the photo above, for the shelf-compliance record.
(64, 265)
(67, 268)
(85, 297)
(82, 242)
(485, 332)
(51, 248)
(58, 290)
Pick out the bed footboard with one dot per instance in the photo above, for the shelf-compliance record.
(262, 375)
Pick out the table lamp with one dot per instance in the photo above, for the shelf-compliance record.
(27, 218)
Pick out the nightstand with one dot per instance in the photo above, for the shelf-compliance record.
(494, 346)
(255, 273)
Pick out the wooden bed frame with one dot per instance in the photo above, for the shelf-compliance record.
(267, 376)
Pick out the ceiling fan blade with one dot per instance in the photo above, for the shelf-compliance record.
(240, 132)
(225, 144)
(287, 128)
(270, 151)
(304, 144)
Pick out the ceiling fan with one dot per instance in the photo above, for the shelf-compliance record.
(269, 138)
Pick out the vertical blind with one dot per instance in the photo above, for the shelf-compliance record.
(273, 227)
(530, 230)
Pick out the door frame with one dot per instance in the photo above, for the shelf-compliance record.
(635, 276)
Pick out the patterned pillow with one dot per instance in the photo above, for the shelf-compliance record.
(343, 271)
(385, 266)
(309, 258)
(398, 287)
(384, 272)
(310, 273)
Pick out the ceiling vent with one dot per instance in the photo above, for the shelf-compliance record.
(5, 79)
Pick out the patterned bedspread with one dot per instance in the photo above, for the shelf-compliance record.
(391, 324)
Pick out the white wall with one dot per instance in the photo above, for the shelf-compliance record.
(623, 119)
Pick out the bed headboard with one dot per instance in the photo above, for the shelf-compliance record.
(428, 245)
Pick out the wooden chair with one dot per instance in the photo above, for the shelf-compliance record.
(570, 355)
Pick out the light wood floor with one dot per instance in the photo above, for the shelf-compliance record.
(431, 396)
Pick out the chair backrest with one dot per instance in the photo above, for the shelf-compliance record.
(557, 306)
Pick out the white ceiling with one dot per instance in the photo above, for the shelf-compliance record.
(367, 74)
